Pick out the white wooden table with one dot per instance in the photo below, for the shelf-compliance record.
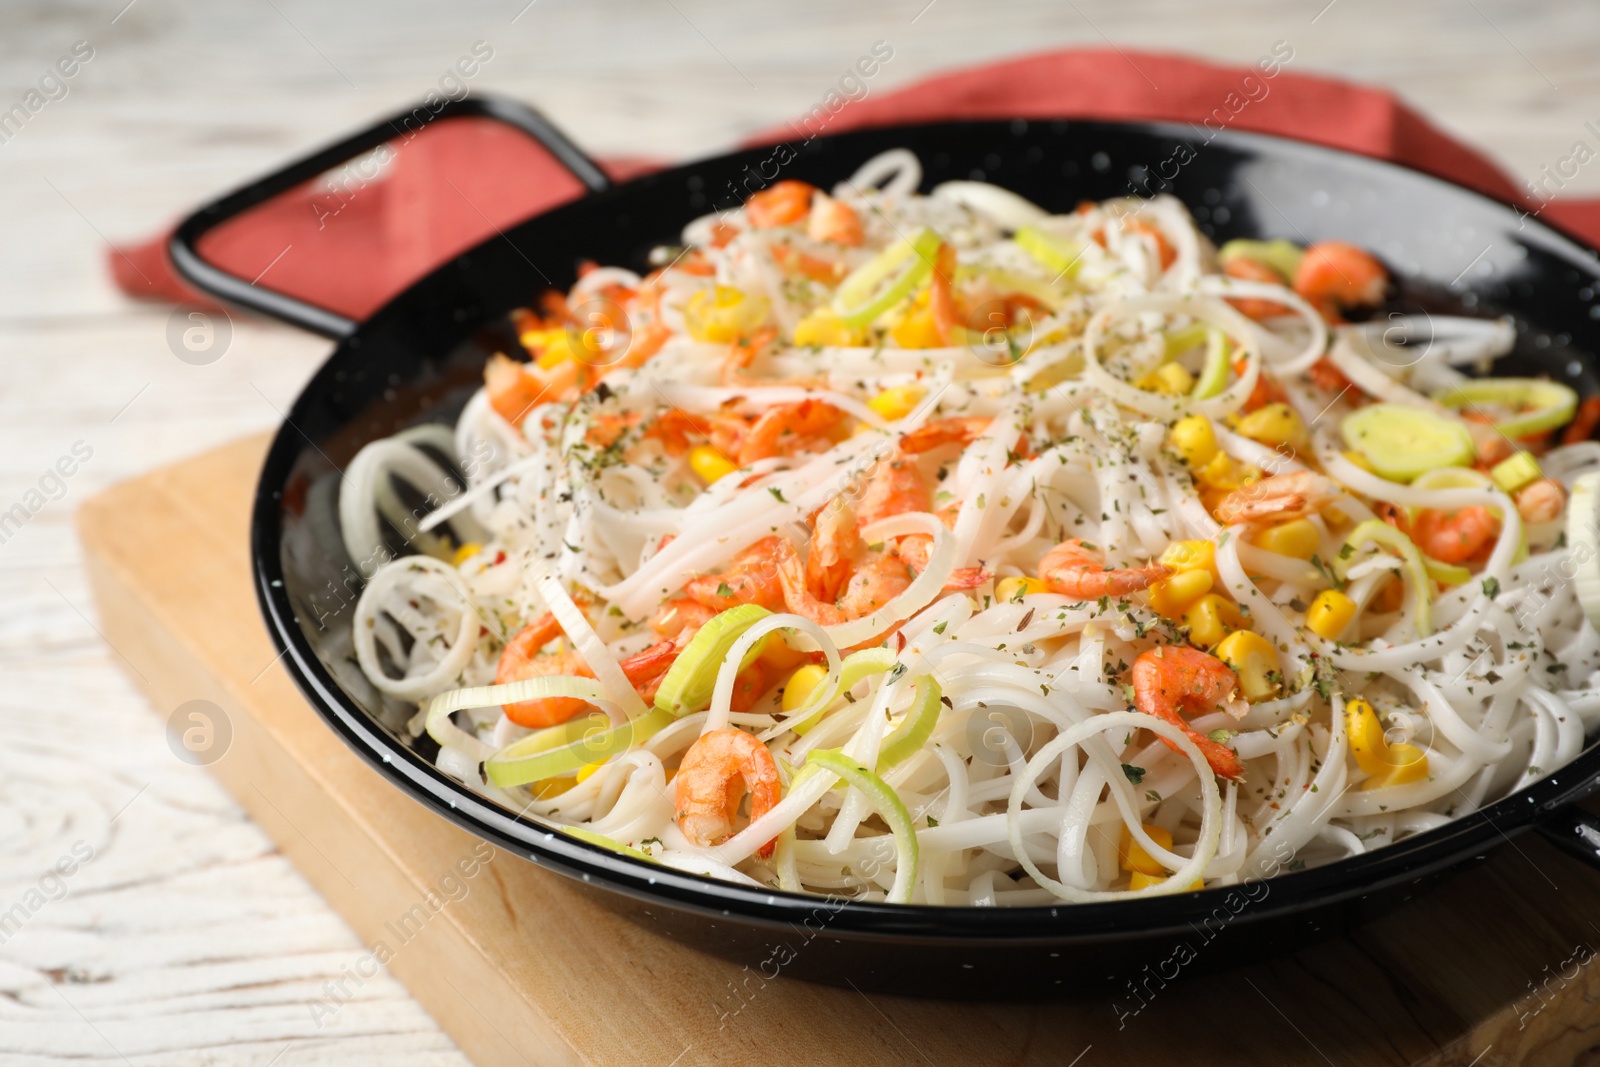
(184, 937)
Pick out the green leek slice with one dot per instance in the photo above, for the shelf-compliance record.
(563, 749)
(887, 803)
(852, 669)
(1056, 255)
(1402, 442)
(1214, 375)
(693, 675)
(1540, 405)
(1182, 340)
(917, 726)
(1282, 256)
(1381, 533)
(585, 834)
(886, 279)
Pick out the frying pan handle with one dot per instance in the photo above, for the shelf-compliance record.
(207, 277)
(1575, 832)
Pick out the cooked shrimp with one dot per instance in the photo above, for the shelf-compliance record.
(916, 548)
(514, 388)
(879, 578)
(1251, 270)
(741, 354)
(675, 616)
(713, 777)
(1166, 255)
(1170, 679)
(957, 430)
(1279, 498)
(785, 429)
(836, 549)
(947, 317)
(1541, 501)
(1584, 423)
(894, 488)
(1453, 537)
(1074, 569)
(1334, 275)
(834, 221)
(1324, 375)
(751, 578)
(522, 660)
(784, 204)
(675, 428)
(792, 261)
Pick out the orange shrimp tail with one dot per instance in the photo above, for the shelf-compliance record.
(1172, 679)
(1074, 569)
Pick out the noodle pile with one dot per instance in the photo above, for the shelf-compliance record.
(1038, 780)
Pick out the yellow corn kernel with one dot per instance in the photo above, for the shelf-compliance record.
(1516, 471)
(1209, 619)
(1359, 460)
(1299, 538)
(822, 327)
(917, 330)
(1171, 597)
(586, 770)
(1194, 438)
(1403, 764)
(1169, 379)
(1132, 856)
(467, 550)
(1275, 425)
(709, 463)
(557, 350)
(1010, 589)
(1140, 880)
(1192, 556)
(1254, 660)
(1366, 737)
(801, 684)
(551, 787)
(895, 404)
(1329, 614)
(723, 314)
(1225, 473)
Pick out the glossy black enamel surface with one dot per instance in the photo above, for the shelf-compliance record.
(419, 358)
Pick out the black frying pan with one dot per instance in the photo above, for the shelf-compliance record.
(420, 356)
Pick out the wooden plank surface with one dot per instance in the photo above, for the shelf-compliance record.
(522, 966)
(189, 939)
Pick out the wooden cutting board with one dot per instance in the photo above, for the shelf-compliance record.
(522, 966)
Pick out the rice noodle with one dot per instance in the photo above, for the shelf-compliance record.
(999, 764)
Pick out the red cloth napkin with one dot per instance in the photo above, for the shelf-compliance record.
(351, 243)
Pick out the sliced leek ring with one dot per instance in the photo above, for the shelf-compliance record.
(1402, 442)
(886, 279)
(1583, 534)
(1546, 405)
(1053, 253)
(563, 749)
(693, 675)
